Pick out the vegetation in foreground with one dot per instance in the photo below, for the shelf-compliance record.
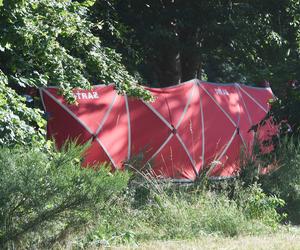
(48, 200)
(45, 192)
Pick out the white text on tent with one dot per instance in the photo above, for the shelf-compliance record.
(86, 95)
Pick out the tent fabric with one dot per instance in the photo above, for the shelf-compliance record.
(187, 128)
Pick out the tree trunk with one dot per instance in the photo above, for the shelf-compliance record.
(190, 55)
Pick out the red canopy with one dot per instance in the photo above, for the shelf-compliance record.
(188, 127)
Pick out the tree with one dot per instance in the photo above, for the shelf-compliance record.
(49, 42)
(19, 124)
(171, 41)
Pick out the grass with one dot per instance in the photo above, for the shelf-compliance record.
(288, 240)
(179, 213)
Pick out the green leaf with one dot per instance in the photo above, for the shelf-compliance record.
(88, 3)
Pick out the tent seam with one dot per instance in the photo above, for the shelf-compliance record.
(129, 127)
(69, 111)
(248, 114)
(160, 148)
(188, 153)
(225, 113)
(203, 128)
(106, 151)
(254, 100)
(224, 151)
(106, 115)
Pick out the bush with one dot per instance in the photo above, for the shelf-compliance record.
(257, 205)
(47, 198)
(285, 180)
(49, 192)
(281, 176)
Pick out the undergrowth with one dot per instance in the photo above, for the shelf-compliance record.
(284, 181)
(45, 193)
(49, 201)
(168, 211)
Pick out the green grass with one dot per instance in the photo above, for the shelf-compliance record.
(175, 213)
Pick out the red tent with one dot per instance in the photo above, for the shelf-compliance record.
(188, 126)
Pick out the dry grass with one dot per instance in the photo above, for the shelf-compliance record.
(287, 240)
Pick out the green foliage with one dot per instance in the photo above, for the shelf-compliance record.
(173, 213)
(47, 198)
(285, 181)
(281, 178)
(87, 3)
(173, 41)
(43, 192)
(18, 123)
(260, 206)
(50, 42)
(285, 109)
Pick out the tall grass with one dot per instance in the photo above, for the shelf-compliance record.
(156, 211)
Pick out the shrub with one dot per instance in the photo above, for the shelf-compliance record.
(285, 180)
(258, 205)
(48, 192)
(281, 176)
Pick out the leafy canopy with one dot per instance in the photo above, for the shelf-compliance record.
(16, 119)
(50, 42)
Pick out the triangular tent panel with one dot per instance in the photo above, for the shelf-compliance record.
(148, 131)
(189, 127)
